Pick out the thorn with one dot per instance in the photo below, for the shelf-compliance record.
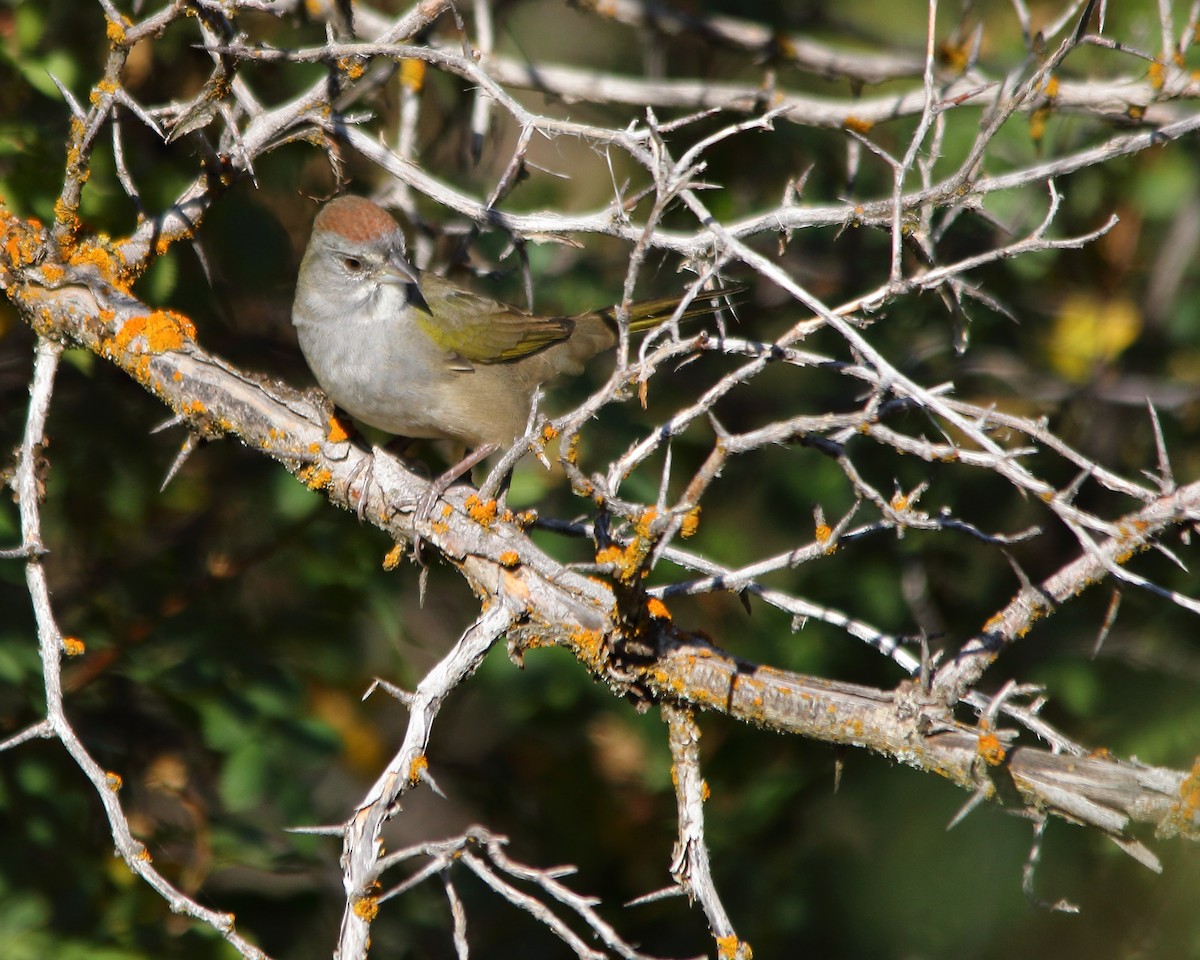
(1166, 478)
(168, 424)
(76, 109)
(378, 683)
(663, 894)
(327, 830)
(188, 448)
(1026, 583)
(1138, 851)
(717, 427)
(1170, 555)
(427, 778)
(975, 800)
(744, 596)
(1110, 617)
(1068, 493)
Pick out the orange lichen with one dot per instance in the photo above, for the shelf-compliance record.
(22, 241)
(731, 948)
(991, 749)
(95, 254)
(351, 66)
(690, 523)
(416, 769)
(857, 124)
(336, 432)
(114, 781)
(102, 91)
(144, 855)
(73, 646)
(1189, 794)
(1157, 75)
(572, 453)
(483, 513)
(392, 558)
(657, 609)
(64, 213)
(548, 433)
(645, 522)
(366, 908)
(610, 554)
(315, 479)
(509, 558)
(588, 645)
(160, 331)
(1050, 90)
(115, 30)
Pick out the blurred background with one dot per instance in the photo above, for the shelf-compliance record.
(233, 621)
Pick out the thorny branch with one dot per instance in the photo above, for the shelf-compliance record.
(74, 287)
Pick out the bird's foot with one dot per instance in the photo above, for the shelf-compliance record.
(443, 483)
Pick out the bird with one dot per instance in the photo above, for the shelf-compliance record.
(417, 356)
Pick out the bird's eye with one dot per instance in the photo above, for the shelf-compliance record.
(353, 264)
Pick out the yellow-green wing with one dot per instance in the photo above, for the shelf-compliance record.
(482, 330)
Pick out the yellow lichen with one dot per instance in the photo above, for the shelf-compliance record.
(315, 479)
(351, 66)
(588, 645)
(657, 609)
(160, 331)
(1157, 75)
(731, 948)
(73, 646)
(392, 558)
(366, 908)
(483, 513)
(336, 431)
(115, 30)
(991, 749)
(610, 554)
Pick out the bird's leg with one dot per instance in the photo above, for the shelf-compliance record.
(442, 483)
(365, 468)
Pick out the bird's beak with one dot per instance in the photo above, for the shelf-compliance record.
(400, 273)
